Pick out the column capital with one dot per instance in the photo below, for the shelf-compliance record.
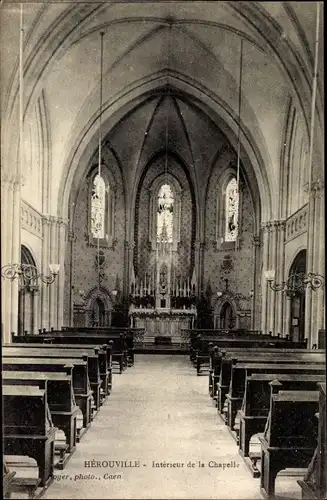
(316, 188)
(256, 240)
(71, 236)
(129, 245)
(199, 244)
(272, 225)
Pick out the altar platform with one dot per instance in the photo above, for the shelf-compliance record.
(162, 326)
(151, 348)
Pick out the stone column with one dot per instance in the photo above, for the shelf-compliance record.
(45, 307)
(320, 263)
(256, 242)
(264, 283)
(62, 229)
(35, 317)
(314, 299)
(52, 259)
(128, 263)
(280, 271)
(287, 314)
(16, 252)
(5, 259)
(197, 265)
(273, 264)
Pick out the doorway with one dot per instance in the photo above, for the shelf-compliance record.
(227, 316)
(27, 297)
(297, 309)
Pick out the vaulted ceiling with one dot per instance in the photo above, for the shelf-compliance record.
(162, 60)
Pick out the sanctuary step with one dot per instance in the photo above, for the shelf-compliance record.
(152, 348)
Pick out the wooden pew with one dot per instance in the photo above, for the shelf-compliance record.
(7, 480)
(119, 354)
(290, 435)
(29, 432)
(104, 352)
(231, 334)
(122, 338)
(223, 383)
(241, 370)
(203, 356)
(256, 403)
(91, 356)
(23, 475)
(314, 484)
(61, 401)
(227, 354)
(81, 384)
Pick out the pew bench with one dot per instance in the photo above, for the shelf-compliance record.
(81, 385)
(89, 355)
(21, 475)
(122, 354)
(256, 403)
(29, 432)
(241, 369)
(61, 401)
(290, 435)
(102, 350)
(221, 380)
(314, 484)
(203, 355)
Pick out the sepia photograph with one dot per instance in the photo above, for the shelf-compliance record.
(163, 250)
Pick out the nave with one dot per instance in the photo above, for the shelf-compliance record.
(159, 411)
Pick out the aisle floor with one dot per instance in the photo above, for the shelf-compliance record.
(159, 412)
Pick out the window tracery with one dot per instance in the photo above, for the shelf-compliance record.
(165, 214)
(98, 205)
(231, 210)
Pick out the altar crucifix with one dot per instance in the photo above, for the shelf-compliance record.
(163, 282)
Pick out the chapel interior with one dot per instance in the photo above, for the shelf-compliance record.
(162, 223)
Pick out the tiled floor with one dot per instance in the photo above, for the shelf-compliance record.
(159, 413)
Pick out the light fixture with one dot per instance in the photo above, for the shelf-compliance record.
(295, 283)
(114, 293)
(219, 294)
(28, 274)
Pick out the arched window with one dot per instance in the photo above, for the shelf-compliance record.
(165, 211)
(231, 210)
(101, 211)
(165, 214)
(98, 206)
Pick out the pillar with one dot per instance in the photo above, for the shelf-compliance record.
(256, 242)
(5, 253)
(280, 272)
(15, 253)
(35, 316)
(198, 257)
(314, 299)
(264, 286)
(62, 236)
(45, 269)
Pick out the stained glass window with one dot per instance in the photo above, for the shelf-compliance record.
(231, 214)
(98, 204)
(165, 214)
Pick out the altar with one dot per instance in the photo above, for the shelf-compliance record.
(168, 324)
(162, 294)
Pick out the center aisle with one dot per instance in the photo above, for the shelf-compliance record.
(159, 411)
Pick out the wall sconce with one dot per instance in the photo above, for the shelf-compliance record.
(296, 283)
(219, 294)
(28, 274)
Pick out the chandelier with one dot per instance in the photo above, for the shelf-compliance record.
(28, 274)
(295, 283)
